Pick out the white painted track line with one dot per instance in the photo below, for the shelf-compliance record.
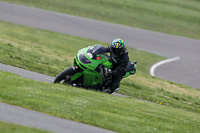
(161, 63)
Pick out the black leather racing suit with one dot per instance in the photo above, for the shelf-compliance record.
(120, 63)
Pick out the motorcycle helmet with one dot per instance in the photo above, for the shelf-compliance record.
(118, 46)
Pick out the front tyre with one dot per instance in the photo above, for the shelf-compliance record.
(64, 74)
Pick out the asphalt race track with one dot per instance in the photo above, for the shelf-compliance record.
(30, 118)
(21, 116)
(13, 114)
(185, 70)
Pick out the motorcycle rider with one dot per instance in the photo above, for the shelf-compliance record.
(120, 59)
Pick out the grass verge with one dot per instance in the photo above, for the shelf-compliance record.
(95, 108)
(50, 53)
(13, 128)
(179, 17)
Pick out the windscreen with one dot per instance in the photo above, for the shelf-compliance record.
(84, 59)
(97, 52)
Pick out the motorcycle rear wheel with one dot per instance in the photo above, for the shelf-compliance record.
(64, 74)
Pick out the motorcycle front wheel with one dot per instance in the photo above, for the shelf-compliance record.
(63, 75)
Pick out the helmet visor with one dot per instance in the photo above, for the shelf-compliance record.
(117, 51)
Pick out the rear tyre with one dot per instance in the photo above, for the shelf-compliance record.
(64, 74)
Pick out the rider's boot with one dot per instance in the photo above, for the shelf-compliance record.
(117, 89)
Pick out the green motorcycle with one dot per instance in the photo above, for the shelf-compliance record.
(90, 69)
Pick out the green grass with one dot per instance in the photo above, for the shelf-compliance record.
(179, 17)
(51, 52)
(96, 108)
(13, 128)
(162, 92)
(170, 107)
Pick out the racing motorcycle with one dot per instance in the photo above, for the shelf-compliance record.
(91, 69)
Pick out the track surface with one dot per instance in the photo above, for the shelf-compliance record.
(18, 115)
(185, 71)
(30, 118)
(34, 75)
(13, 114)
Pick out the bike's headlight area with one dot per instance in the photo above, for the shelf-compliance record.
(83, 58)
